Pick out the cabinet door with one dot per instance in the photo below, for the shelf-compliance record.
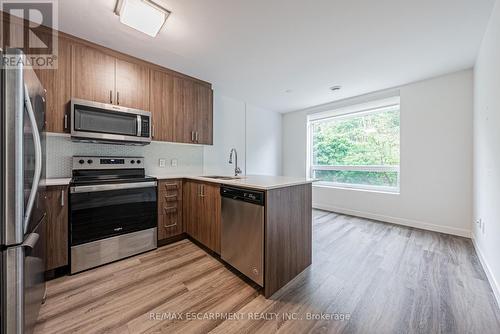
(202, 205)
(191, 209)
(211, 209)
(93, 75)
(185, 112)
(203, 96)
(193, 112)
(161, 104)
(57, 84)
(132, 85)
(56, 228)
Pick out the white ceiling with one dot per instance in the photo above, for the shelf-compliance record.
(255, 50)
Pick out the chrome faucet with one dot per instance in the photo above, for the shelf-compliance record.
(237, 169)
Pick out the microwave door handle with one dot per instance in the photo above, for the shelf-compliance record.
(139, 126)
(38, 158)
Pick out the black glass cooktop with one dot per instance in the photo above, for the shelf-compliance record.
(93, 177)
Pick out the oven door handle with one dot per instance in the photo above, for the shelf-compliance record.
(109, 187)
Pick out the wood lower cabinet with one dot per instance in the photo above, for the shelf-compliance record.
(202, 213)
(170, 222)
(56, 227)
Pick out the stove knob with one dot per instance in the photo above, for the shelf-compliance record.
(81, 161)
(138, 161)
(132, 162)
(90, 161)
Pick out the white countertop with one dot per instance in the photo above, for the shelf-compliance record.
(261, 182)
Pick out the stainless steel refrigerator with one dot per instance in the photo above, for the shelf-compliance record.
(23, 214)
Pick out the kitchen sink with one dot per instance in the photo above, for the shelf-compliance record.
(219, 177)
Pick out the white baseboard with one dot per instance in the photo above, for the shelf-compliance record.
(394, 220)
(493, 283)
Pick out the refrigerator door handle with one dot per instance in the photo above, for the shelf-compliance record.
(31, 240)
(38, 158)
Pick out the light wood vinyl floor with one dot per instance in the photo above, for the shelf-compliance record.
(368, 277)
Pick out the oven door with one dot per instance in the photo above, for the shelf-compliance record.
(103, 211)
(93, 121)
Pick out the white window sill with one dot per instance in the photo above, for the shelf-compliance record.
(379, 190)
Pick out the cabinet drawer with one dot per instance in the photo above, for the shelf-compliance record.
(168, 196)
(170, 223)
(169, 207)
(170, 186)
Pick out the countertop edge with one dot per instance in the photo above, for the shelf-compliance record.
(53, 182)
(235, 182)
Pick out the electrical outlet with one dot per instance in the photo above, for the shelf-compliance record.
(173, 162)
(163, 163)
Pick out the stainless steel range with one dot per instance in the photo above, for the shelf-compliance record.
(113, 210)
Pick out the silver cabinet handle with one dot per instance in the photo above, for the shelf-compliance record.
(202, 194)
(111, 96)
(152, 130)
(171, 185)
(171, 225)
(62, 198)
(192, 136)
(65, 121)
(118, 98)
(196, 136)
(167, 198)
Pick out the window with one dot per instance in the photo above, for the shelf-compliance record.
(357, 147)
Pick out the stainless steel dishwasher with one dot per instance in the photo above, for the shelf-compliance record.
(242, 242)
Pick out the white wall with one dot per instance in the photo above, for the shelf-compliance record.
(254, 132)
(229, 132)
(487, 151)
(436, 155)
(263, 141)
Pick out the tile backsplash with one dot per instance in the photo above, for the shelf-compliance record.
(60, 150)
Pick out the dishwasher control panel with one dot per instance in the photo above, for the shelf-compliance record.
(246, 195)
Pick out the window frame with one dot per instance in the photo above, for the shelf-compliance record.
(352, 111)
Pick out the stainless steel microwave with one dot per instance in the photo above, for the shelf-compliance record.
(108, 123)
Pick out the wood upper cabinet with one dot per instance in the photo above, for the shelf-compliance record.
(58, 86)
(161, 103)
(194, 114)
(99, 77)
(132, 85)
(93, 75)
(56, 227)
(203, 99)
(202, 212)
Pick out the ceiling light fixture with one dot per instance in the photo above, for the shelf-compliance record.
(143, 15)
(335, 88)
